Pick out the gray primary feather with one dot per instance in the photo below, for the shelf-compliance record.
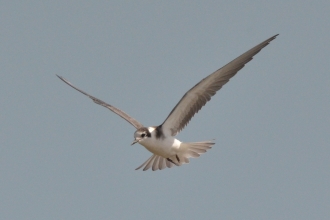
(119, 112)
(202, 92)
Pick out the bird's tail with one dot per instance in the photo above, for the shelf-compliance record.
(191, 150)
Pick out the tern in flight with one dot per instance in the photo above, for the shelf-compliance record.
(167, 151)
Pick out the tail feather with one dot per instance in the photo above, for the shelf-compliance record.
(191, 153)
(201, 145)
(197, 150)
(186, 151)
(194, 150)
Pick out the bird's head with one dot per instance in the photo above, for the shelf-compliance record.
(141, 134)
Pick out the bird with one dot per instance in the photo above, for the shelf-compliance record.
(167, 151)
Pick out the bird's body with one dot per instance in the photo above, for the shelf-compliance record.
(168, 150)
(160, 140)
(166, 147)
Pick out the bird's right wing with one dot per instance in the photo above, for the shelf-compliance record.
(119, 112)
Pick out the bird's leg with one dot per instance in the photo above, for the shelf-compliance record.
(172, 161)
(177, 158)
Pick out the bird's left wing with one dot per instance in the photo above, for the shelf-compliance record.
(119, 112)
(202, 92)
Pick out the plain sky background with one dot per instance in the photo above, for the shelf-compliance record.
(63, 157)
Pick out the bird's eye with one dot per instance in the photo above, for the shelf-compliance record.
(143, 135)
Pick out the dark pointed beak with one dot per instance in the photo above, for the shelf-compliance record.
(135, 141)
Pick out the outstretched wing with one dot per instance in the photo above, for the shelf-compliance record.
(202, 92)
(119, 112)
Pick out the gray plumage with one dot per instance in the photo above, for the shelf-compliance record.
(202, 92)
(119, 112)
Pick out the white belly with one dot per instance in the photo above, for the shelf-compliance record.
(166, 147)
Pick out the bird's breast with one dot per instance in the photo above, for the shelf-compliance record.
(165, 147)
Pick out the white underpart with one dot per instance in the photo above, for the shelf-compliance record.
(168, 151)
(164, 146)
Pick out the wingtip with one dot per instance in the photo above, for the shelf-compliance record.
(273, 37)
(66, 81)
(60, 77)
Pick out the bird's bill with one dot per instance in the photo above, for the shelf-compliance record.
(135, 141)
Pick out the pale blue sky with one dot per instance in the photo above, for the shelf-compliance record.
(63, 157)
